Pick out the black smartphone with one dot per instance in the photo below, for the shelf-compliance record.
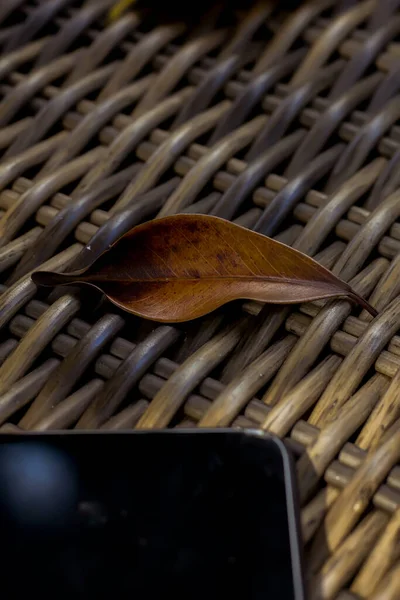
(192, 515)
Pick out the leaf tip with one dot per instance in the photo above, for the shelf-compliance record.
(47, 278)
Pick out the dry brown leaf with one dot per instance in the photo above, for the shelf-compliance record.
(182, 267)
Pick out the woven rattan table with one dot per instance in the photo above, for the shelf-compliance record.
(284, 122)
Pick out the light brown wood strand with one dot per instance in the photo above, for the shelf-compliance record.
(384, 554)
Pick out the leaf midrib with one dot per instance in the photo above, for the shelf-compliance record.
(266, 278)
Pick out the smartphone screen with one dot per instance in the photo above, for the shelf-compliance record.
(184, 515)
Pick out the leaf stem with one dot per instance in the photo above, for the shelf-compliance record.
(363, 303)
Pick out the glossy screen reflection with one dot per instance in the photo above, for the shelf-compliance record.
(143, 516)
